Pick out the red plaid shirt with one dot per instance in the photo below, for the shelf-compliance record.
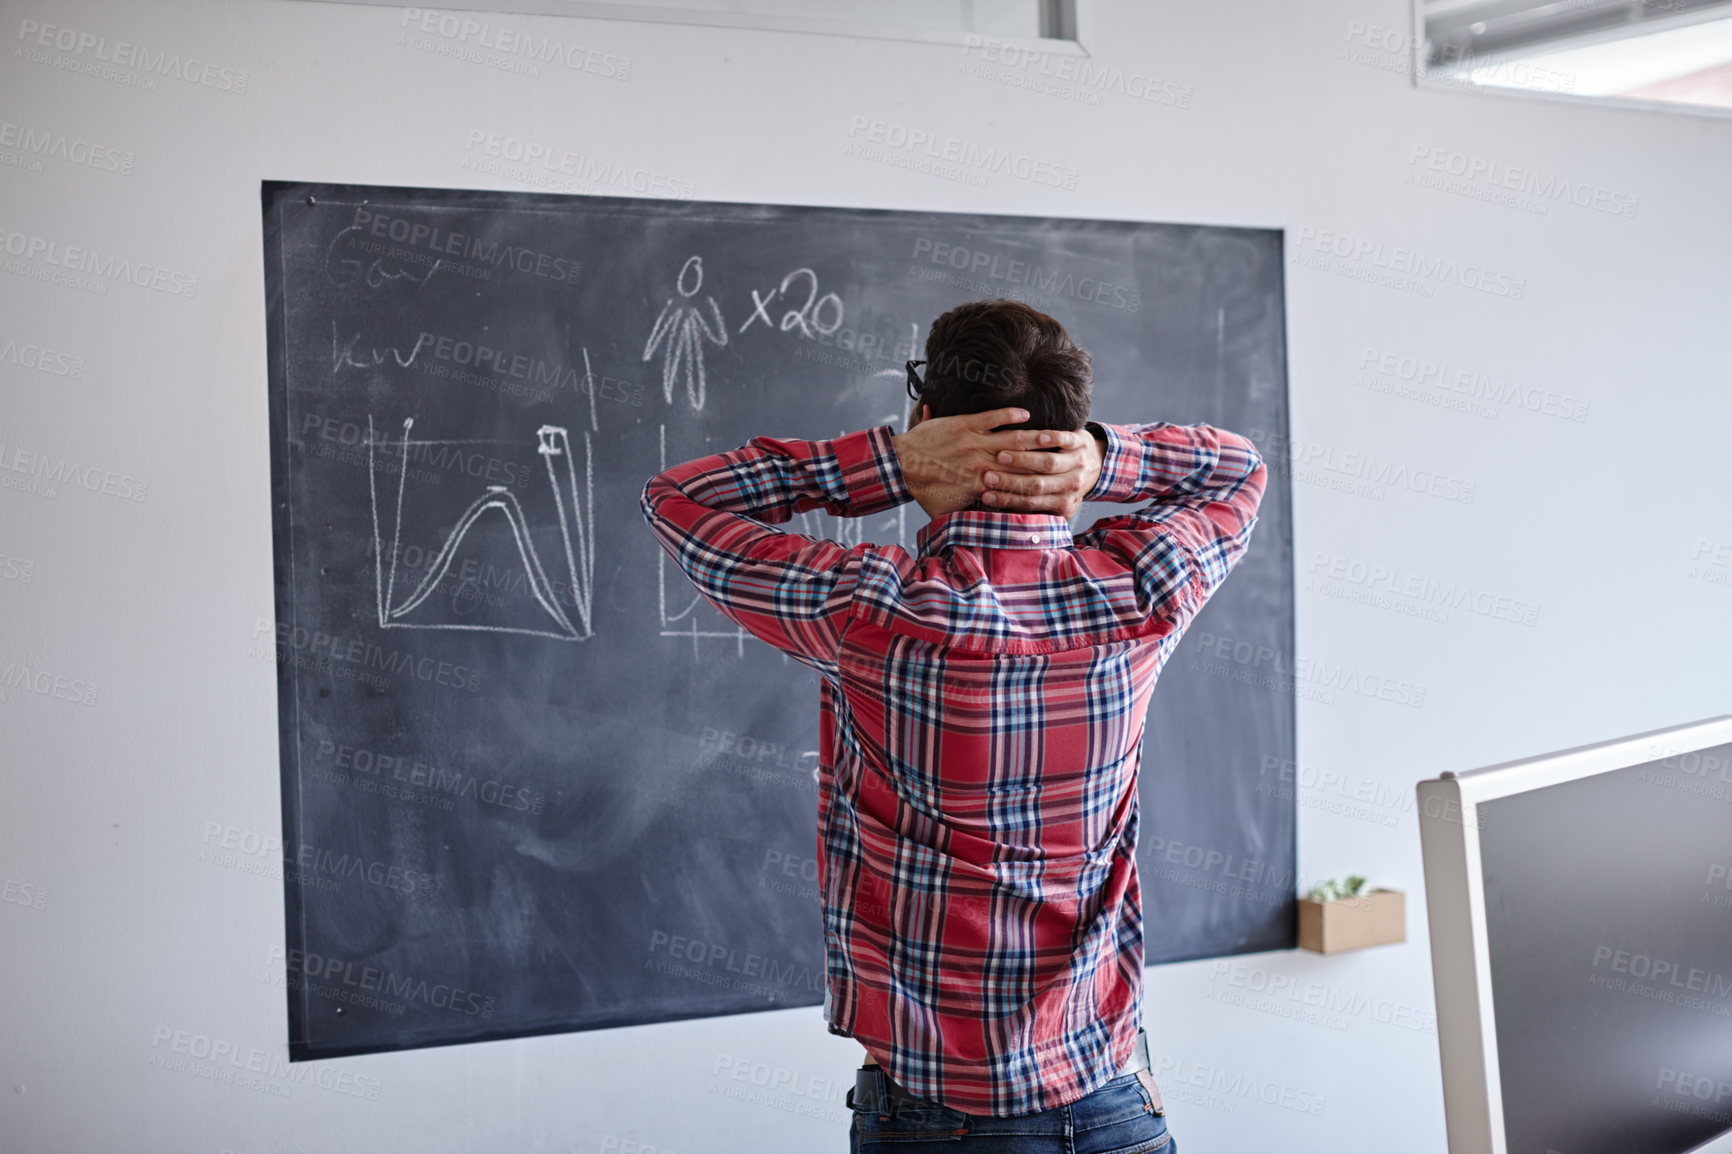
(983, 703)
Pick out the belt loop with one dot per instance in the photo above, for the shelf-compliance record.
(870, 1093)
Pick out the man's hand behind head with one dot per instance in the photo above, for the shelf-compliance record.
(943, 458)
(1048, 471)
(950, 463)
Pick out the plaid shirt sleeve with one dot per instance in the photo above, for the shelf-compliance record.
(1203, 486)
(714, 517)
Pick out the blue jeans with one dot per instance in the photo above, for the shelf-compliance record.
(1118, 1118)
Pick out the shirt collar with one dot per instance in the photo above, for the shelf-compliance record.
(987, 529)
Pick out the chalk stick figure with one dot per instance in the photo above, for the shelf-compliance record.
(685, 329)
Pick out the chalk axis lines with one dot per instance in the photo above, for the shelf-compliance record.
(576, 530)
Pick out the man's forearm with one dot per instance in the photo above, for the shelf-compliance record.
(1194, 464)
(1198, 489)
(714, 518)
(771, 479)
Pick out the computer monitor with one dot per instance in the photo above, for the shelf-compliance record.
(1580, 906)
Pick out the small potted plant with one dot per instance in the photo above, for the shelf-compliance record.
(1344, 915)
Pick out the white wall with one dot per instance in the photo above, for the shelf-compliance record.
(115, 935)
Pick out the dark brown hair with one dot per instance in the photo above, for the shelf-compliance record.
(991, 354)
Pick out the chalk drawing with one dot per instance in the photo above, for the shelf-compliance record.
(575, 517)
(376, 273)
(685, 329)
(808, 318)
(343, 354)
(589, 387)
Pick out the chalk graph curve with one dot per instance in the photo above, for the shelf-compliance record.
(576, 519)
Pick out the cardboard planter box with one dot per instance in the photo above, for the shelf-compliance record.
(1379, 918)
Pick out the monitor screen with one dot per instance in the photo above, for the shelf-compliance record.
(1608, 903)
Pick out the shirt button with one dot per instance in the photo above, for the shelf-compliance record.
(1034, 538)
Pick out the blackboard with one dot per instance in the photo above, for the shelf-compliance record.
(531, 782)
